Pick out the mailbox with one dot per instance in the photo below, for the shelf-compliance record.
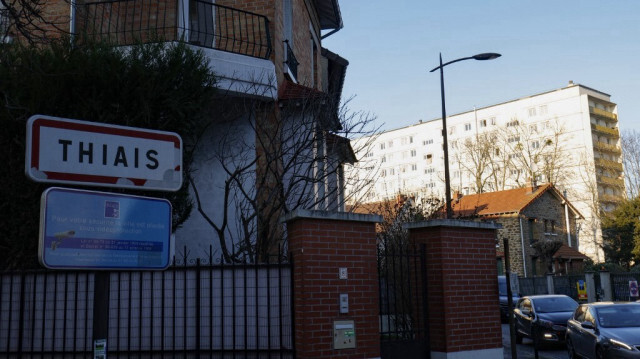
(344, 334)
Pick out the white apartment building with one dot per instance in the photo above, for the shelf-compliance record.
(568, 136)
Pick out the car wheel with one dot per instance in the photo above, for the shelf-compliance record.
(570, 350)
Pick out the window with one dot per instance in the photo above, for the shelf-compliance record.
(427, 142)
(384, 159)
(483, 123)
(369, 154)
(543, 110)
(413, 153)
(392, 171)
(429, 170)
(493, 121)
(429, 158)
(452, 130)
(456, 174)
(535, 145)
(382, 146)
(383, 173)
(513, 139)
(533, 128)
(532, 112)
(513, 123)
(390, 143)
(414, 167)
(512, 156)
(467, 127)
(454, 144)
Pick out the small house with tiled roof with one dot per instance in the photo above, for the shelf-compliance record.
(528, 215)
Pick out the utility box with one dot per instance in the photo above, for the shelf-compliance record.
(344, 334)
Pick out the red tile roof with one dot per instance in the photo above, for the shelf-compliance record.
(566, 252)
(512, 201)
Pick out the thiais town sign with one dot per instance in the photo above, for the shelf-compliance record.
(88, 153)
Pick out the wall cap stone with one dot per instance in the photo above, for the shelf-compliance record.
(459, 223)
(331, 215)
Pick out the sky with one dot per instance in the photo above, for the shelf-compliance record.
(392, 45)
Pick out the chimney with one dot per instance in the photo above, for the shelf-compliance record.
(532, 185)
(457, 195)
(570, 82)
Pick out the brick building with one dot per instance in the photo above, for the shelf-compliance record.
(277, 110)
(528, 215)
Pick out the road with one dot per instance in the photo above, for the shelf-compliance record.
(525, 350)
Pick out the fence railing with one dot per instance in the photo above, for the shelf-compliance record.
(196, 309)
(198, 22)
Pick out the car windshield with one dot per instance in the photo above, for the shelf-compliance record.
(619, 316)
(555, 304)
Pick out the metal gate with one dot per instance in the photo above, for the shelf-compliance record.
(403, 301)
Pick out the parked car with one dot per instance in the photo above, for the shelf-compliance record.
(504, 298)
(544, 316)
(604, 330)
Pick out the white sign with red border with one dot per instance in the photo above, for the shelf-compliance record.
(95, 154)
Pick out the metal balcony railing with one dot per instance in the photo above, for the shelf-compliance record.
(606, 130)
(606, 114)
(291, 60)
(611, 198)
(601, 162)
(604, 147)
(198, 22)
(614, 182)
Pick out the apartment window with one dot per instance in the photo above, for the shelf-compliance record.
(493, 121)
(429, 170)
(392, 171)
(452, 130)
(382, 146)
(497, 151)
(414, 167)
(543, 110)
(384, 159)
(413, 153)
(429, 158)
(532, 111)
(512, 156)
(427, 142)
(467, 127)
(535, 145)
(513, 123)
(410, 139)
(369, 154)
(454, 144)
(456, 174)
(533, 128)
(383, 173)
(483, 123)
(390, 143)
(513, 139)
(430, 185)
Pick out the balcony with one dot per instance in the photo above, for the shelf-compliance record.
(610, 198)
(605, 130)
(198, 22)
(613, 182)
(603, 113)
(236, 43)
(601, 162)
(603, 147)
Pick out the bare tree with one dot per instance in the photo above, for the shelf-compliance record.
(536, 152)
(269, 159)
(26, 20)
(630, 141)
(476, 157)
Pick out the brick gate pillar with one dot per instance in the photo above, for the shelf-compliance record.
(334, 254)
(462, 287)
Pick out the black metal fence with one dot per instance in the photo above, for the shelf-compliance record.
(198, 22)
(403, 301)
(620, 286)
(533, 285)
(188, 310)
(567, 284)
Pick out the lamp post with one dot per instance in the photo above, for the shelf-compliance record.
(447, 180)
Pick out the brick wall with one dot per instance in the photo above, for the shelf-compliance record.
(320, 246)
(461, 284)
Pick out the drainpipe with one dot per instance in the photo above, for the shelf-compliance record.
(72, 20)
(566, 217)
(524, 255)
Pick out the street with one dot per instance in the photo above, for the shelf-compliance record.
(525, 350)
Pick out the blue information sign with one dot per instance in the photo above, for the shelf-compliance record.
(99, 230)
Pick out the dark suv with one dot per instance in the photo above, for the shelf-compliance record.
(502, 292)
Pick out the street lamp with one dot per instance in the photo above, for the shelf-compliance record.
(447, 180)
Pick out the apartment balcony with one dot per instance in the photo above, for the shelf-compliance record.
(610, 198)
(603, 147)
(609, 181)
(608, 164)
(605, 130)
(237, 43)
(602, 113)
